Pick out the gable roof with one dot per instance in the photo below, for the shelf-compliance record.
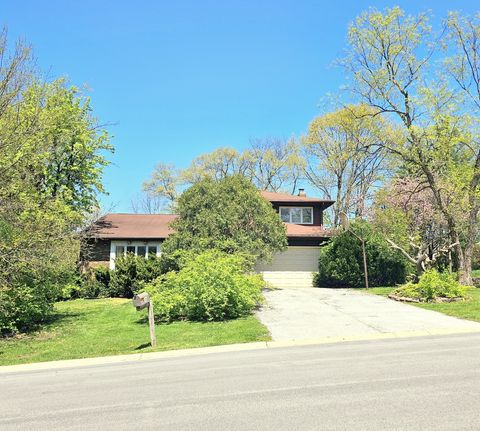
(129, 226)
(286, 198)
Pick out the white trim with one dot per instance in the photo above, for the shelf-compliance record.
(125, 243)
(296, 207)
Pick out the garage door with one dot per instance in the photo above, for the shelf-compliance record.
(292, 268)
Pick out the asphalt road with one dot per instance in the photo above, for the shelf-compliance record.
(399, 384)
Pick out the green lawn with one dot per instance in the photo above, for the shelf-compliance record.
(101, 327)
(468, 309)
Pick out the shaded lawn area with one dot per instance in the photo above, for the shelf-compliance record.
(468, 309)
(102, 327)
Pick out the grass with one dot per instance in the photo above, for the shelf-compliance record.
(468, 309)
(102, 327)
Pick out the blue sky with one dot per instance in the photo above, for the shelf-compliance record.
(181, 78)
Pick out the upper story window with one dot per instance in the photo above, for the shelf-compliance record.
(298, 215)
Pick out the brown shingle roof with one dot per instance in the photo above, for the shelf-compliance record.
(131, 226)
(156, 226)
(302, 231)
(285, 197)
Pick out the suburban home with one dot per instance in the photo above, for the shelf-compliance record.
(143, 234)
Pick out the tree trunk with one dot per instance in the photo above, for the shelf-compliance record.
(465, 271)
(465, 267)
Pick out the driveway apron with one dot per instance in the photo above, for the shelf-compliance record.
(311, 313)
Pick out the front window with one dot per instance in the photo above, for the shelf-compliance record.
(307, 215)
(297, 215)
(138, 250)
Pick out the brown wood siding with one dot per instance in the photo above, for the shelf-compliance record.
(96, 250)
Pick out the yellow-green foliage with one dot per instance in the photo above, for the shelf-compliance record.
(432, 285)
(211, 286)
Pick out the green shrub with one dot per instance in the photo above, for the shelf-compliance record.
(341, 261)
(27, 301)
(86, 287)
(432, 285)
(211, 286)
(130, 274)
(102, 276)
(22, 307)
(91, 284)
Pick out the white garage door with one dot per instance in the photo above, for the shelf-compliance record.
(292, 268)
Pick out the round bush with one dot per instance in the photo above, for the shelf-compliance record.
(211, 286)
(22, 307)
(431, 286)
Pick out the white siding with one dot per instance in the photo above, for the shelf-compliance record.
(292, 268)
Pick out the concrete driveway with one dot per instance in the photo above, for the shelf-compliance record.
(310, 313)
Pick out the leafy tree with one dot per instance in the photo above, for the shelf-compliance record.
(229, 215)
(341, 261)
(51, 161)
(276, 164)
(405, 212)
(218, 164)
(344, 157)
(389, 58)
(67, 157)
(464, 67)
(161, 190)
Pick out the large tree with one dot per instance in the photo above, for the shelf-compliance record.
(52, 153)
(275, 164)
(390, 62)
(344, 157)
(404, 211)
(228, 214)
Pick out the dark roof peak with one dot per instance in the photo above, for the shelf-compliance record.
(285, 197)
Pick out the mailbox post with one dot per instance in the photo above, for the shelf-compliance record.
(141, 301)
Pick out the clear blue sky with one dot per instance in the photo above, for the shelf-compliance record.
(180, 78)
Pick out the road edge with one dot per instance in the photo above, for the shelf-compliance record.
(135, 357)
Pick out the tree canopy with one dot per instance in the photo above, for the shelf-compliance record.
(227, 214)
(436, 140)
(52, 154)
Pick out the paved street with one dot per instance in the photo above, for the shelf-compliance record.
(400, 384)
(307, 313)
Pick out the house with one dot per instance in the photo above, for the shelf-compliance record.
(303, 217)
(143, 234)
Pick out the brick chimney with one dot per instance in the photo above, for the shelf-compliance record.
(301, 192)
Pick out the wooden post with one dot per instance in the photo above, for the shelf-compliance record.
(365, 269)
(151, 324)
